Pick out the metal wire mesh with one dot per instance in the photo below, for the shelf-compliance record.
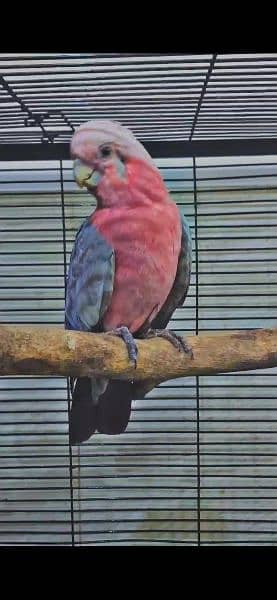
(43, 97)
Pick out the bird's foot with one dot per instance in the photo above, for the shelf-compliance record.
(176, 340)
(127, 337)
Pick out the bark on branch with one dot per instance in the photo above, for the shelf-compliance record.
(54, 351)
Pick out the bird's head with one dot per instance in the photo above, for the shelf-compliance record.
(112, 164)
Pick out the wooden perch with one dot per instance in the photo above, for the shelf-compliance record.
(54, 351)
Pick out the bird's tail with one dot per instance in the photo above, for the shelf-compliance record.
(114, 407)
(99, 405)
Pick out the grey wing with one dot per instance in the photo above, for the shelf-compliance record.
(90, 280)
(180, 287)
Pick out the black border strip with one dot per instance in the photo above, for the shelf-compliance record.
(157, 149)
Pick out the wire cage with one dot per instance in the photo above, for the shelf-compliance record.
(197, 464)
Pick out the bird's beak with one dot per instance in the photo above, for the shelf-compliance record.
(85, 175)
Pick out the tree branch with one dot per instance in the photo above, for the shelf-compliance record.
(54, 351)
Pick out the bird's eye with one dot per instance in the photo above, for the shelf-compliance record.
(105, 151)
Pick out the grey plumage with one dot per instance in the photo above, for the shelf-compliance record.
(90, 279)
(88, 293)
(180, 287)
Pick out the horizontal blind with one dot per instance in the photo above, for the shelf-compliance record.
(197, 463)
(237, 227)
(35, 496)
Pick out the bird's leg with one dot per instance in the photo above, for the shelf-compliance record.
(176, 340)
(127, 337)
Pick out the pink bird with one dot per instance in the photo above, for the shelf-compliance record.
(129, 268)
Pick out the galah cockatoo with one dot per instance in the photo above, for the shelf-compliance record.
(129, 269)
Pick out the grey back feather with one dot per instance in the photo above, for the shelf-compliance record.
(180, 287)
(90, 279)
(89, 290)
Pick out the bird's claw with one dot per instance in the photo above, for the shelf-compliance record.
(176, 340)
(127, 337)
